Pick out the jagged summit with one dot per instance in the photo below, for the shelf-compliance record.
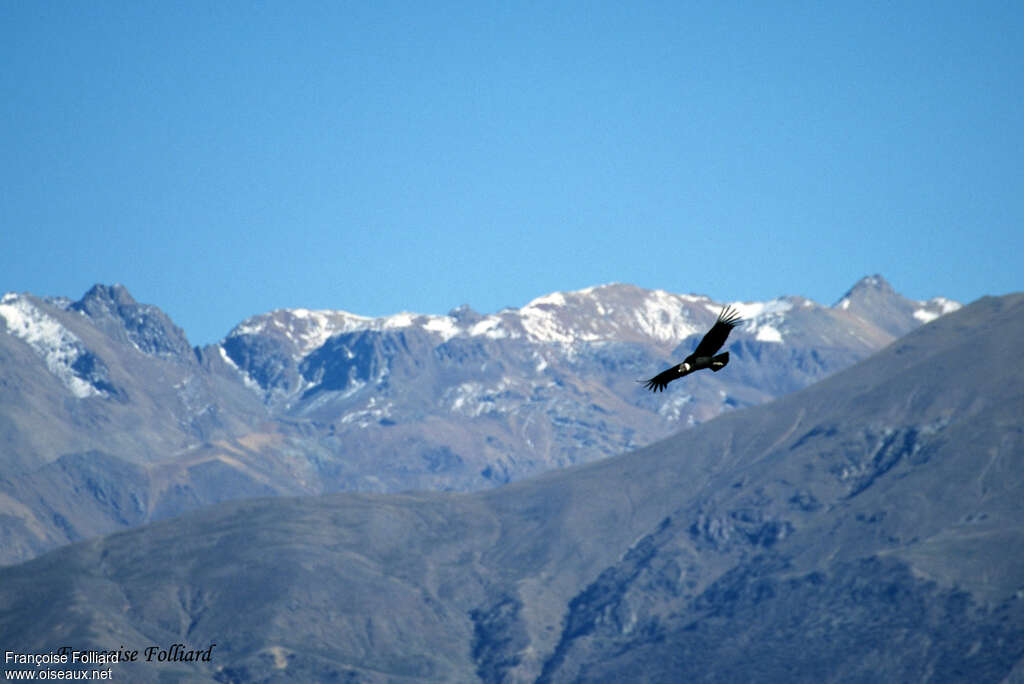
(873, 299)
(873, 282)
(868, 288)
(145, 326)
(116, 294)
(464, 314)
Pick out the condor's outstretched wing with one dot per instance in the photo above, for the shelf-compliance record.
(661, 380)
(728, 319)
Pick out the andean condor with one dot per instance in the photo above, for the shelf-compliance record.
(703, 356)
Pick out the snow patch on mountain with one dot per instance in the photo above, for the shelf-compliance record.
(934, 308)
(663, 317)
(375, 412)
(763, 320)
(246, 378)
(768, 333)
(445, 326)
(320, 326)
(672, 408)
(945, 305)
(542, 323)
(59, 348)
(489, 327)
(552, 299)
(474, 399)
(753, 310)
(306, 329)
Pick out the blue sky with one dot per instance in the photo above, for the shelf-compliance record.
(223, 159)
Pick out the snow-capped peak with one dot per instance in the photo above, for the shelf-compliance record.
(612, 312)
(604, 313)
(306, 329)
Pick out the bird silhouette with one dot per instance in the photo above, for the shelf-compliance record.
(704, 355)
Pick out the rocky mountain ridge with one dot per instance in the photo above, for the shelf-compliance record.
(111, 419)
(615, 313)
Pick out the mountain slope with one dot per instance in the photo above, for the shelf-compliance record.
(875, 517)
(97, 398)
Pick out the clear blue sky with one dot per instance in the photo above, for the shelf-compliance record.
(223, 159)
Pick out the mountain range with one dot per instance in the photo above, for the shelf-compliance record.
(869, 527)
(110, 418)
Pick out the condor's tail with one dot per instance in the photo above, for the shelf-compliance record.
(718, 362)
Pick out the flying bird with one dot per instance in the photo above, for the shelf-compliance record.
(704, 355)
